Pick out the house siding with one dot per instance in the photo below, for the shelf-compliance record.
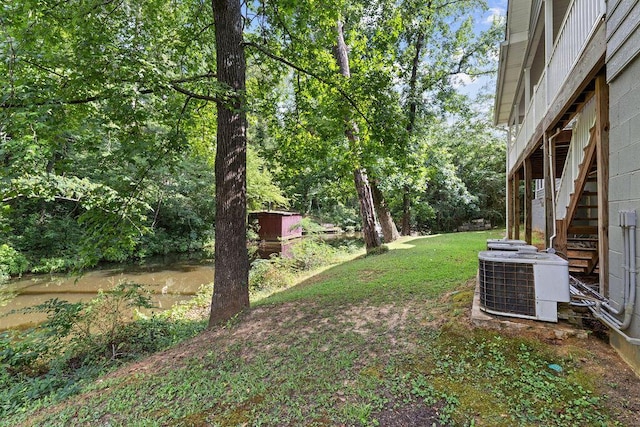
(623, 37)
(624, 185)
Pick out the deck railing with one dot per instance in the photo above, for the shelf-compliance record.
(577, 28)
(579, 25)
(533, 116)
(575, 157)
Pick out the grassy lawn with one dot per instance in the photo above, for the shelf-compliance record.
(379, 340)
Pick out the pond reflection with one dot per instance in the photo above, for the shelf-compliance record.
(168, 284)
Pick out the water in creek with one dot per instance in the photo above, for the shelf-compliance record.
(168, 283)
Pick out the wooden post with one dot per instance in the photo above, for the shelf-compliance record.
(516, 205)
(602, 153)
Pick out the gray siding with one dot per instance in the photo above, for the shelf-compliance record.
(624, 174)
(623, 37)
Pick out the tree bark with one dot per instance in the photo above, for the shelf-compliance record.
(413, 82)
(406, 211)
(369, 233)
(231, 276)
(367, 211)
(411, 122)
(389, 229)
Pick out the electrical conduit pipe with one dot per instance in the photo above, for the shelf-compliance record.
(628, 225)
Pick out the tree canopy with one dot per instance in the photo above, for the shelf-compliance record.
(113, 118)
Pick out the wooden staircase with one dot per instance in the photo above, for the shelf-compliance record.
(582, 231)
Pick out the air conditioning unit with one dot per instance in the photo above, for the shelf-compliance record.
(510, 247)
(504, 243)
(523, 284)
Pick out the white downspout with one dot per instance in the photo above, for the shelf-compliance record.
(553, 186)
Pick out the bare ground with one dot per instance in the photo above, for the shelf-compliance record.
(618, 383)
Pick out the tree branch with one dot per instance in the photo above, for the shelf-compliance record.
(195, 95)
(316, 76)
(174, 84)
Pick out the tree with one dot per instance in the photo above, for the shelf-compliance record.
(367, 212)
(231, 282)
(437, 45)
(389, 229)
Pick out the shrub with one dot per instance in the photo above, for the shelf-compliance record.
(12, 262)
(311, 253)
(79, 341)
(272, 273)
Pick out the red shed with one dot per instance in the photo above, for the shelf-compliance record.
(277, 225)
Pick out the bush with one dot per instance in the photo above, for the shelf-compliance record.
(12, 262)
(312, 253)
(272, 273)
(79, 341)
(306, 254)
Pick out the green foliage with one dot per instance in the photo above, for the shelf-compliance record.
(77, 342)
(271, 274)
(308, 226)
(309, 253)
(404, 144)
(12, 262)
(379, 250)
(261, 191)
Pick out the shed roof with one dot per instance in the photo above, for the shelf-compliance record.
(281, 213)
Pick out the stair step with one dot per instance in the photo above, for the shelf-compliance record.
(577, 270)
(586, 206)
(582, 239)
(584, 257)
(582, 249)
(583, 229)
(584, 263)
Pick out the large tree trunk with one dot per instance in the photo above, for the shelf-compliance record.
(411, 122)
(369, 233)
(231, 277)
(413, 82)
(406, 211)
(371, 238)
(389, 229)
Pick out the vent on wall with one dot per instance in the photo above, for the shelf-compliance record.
(523, 284)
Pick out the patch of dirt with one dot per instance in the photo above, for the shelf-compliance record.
(618, 382)
(261, 325)
(411, 415)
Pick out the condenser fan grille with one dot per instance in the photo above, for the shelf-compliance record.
(507, 287)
